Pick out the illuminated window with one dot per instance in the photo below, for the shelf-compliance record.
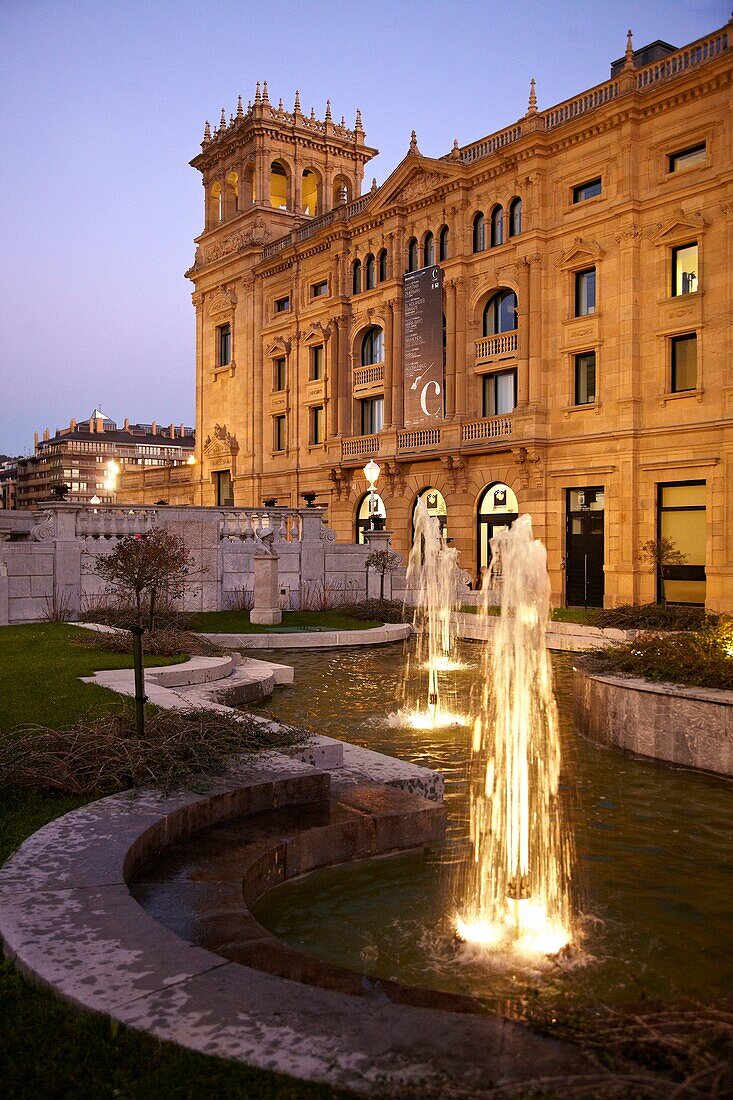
(372, 415)
(309, 197)
(684, 269)
(688, 158)
(278, 186)
(682, 519)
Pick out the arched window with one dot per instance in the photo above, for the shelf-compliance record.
(497, 510)
(383, 265)
(515, 217)
(497, 226)
(215, 204)
(372, 346)
(310, 197)
(444, 244)
(341, 190)
(370, 272)
(435, 503)
(500, 314)
(364, 516)
(479, 232)
(278, 186)
(356, 277)
(428, 250)
(231, 195)
(249, 194)
(412, 254)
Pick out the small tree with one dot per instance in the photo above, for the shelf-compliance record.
(658, 555)
(145, 567)
(382, 562)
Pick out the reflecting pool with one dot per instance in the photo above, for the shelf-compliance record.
(654, 849)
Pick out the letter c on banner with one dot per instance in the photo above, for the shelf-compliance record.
(424, 396)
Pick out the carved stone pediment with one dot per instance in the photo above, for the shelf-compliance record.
(678, 226)
(221, 444)
(580, 254)
(413, 179)
(223, 300)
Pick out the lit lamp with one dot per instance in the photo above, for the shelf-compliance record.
(111, 472)
(191, 460)
(371, 473)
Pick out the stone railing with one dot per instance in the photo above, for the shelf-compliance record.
(705, 49)
(416, 440)
(580, 104)
(491, 144)
(365, 376)
(503, 346)
(239, 524)
(113, 522)
(491, 427)
(360, 445)
(305, 232)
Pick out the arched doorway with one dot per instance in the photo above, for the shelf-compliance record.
(435, 503)
(496, 512)
(363, 515)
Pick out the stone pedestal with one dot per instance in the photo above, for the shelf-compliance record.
(378, 540)
(266, 608)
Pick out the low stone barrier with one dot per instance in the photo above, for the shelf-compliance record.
(681, 725)
(571, 637)
(314, 639)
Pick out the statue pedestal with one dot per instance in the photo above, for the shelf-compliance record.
(266, 610)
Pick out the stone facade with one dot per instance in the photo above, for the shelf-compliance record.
(610, 219)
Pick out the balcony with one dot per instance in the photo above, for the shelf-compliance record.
(492, 349)
(368, 376)
(488, 428)
(418, 439)
(360, 446)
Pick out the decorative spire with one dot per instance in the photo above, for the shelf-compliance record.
(280, 107)
(358, 125)
(265, 96)
(328, 111)
(249, 105)
(413, 151)
(629, 55)
(374, 184)
(343, 122)
(313, 114)
(240, 112)
(258, 94)
(223, 120)
(532, 104)
(455, 153)
(296, 108)
(207, 132)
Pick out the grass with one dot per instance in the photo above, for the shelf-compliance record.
(582, 615)
(237, 622)
(48, 1048)
(651, 616)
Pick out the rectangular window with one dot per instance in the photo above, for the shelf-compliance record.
(316, 363)
(684, 363)
(223, 345)
(499, 395)
(319, 290)
(585, 292)
(684, 269)
(279, 433)
(372, 415)
(317, 424)
(282, 305)
(587, 190)
(682, 521)
(279, 374)
(688, 158)
(585, 378)
(224, 489)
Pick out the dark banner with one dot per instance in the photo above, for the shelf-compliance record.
(423, 347)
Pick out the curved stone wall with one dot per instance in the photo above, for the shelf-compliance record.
(688, 726)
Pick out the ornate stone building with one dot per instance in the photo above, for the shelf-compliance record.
(584, 257)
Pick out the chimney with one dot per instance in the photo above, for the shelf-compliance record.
(126, 425)
(72, 424)
(35, 441)
(153, 428)
(180, 430)
(100, 424)
(92, 424)
(46, 434)
(172, 431)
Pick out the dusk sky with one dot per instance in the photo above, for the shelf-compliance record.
(103, 104)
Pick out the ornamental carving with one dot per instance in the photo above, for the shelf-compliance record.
(680, 224)
(223, 300)
(341, 480)
(44, 527)
(580, 252)
(221, 444)
(419, 185)
(253, 237)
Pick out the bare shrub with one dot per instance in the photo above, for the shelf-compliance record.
(240, 598)
(57, 608)
(106, 755)
(163, 642)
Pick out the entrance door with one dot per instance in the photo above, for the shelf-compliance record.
(584, 549)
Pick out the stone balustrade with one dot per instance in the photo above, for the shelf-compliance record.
(490, 427)
(369, 376)
(240, 524)
(360, 445)
(416, 440)
(503, 346)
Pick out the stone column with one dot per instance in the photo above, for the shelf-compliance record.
(344, 372)
(266, 595)
(4, 595)
(461, 366)
(524, 323)
(259, 383)
(397, 365)
(332, 351)
(67, 563)
(535, 330)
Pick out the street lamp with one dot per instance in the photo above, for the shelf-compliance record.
(371, 473)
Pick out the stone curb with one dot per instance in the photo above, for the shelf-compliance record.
(321, 639)
(68, 921)
(569, 637)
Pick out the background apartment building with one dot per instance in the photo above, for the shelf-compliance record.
(583, 259)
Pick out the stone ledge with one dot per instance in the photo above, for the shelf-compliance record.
(688, 726)
(570, 637)
(320, 639)
(68, 921)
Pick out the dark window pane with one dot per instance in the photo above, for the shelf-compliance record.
(585, 378)
(585, 292)
(684, 363)
(687, 158)
(587, 190)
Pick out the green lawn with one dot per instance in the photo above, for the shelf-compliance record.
(47, 1049)
(582, 615)
(237, 622)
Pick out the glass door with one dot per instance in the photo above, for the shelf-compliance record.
(584, 580)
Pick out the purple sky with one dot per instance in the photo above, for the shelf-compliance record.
(102, 105)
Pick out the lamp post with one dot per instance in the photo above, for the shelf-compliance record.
(371, 473)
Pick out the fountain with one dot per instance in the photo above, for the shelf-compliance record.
(432, 574)
(516, 887)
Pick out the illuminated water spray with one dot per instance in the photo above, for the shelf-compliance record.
(432, 576)
(516, 888)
